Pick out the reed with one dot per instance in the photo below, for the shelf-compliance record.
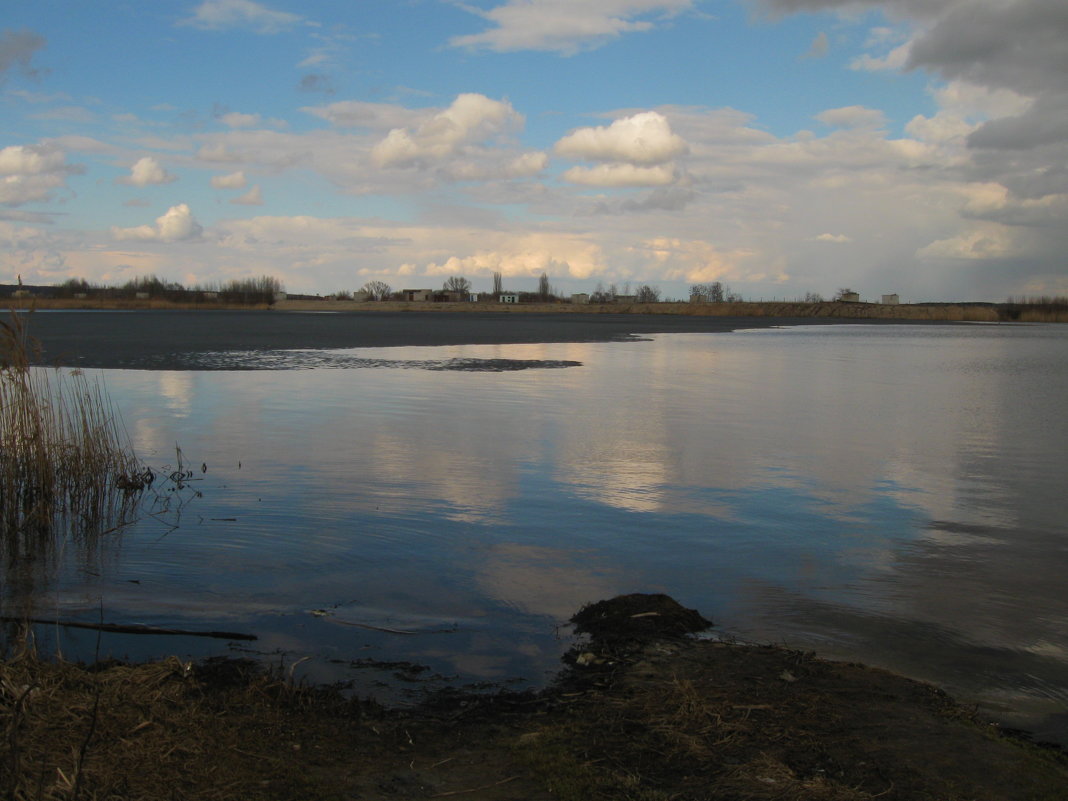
(65, 464)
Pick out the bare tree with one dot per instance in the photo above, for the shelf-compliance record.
(544, 290)
(813, 297)
(648, 294)
(716, 292)
(498, 284)
(457, 283)
(377, 290)
(600, 294)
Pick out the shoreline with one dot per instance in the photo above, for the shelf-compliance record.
(640, 710)
(165, 339)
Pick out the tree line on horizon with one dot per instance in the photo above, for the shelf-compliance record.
(265, 290)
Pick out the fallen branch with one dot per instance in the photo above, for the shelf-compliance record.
(129, 628)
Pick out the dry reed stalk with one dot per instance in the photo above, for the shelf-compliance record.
(64, 462)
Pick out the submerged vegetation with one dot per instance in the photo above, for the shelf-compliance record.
(64, 462)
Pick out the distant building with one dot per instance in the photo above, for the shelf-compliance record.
(417, 295)
(891, 300)
(211, 296)
(279, 296)
(626, 298)
(141, 295)
(361, 296)
(850, 297)
(580, 297)
(509, 298)
(21, 293)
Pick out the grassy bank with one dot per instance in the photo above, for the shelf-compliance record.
(649, 716)
(962, 312)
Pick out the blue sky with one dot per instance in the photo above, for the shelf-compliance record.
(780, 146)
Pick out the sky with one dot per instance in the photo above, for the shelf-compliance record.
(782, 147)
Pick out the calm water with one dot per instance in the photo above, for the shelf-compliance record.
(890, 494)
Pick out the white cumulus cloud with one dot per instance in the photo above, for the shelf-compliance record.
(839, 239)
(148, 172)
(472, 118)
(177, 225)
(642, 139)
(30, 173)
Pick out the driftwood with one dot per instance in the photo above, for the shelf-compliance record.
(128, 628)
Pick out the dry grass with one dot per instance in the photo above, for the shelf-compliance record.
(124, 304)
(150, 731)
(864, 311)
(64, 463)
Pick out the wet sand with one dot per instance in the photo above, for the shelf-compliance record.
(164, 339)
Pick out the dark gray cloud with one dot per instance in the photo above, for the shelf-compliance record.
(16, 51)
(1022, 45)
(1045, 123)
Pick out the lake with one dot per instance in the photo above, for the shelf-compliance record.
(892, 494)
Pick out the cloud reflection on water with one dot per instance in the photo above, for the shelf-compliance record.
(885, 473)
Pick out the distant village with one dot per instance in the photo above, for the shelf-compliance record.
(268, 290)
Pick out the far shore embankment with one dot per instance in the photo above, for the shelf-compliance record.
(162, 340)
(953, 312)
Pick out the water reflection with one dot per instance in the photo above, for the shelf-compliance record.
(880, 493)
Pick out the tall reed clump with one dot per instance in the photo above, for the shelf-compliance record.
(63, 459)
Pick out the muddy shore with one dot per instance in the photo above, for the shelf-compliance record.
(641, 711)
(162, 340)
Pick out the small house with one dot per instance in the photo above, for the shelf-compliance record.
(891, 300)
(417, 295)
(850, 297)
(509, 298)
(580, 298)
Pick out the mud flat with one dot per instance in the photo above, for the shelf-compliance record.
(165, 339)
(641, 711)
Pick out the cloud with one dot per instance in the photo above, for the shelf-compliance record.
(621, 175)
(839, 239)
(146, 171)
(252, 197)
(989, 242)
(16, 51)
(233, 180)
(236, 119)
(644, 139)
(896, 59)
(819, 47)
(316, 83)
(362, 114)
(471, 119)
(693, 260)
(31, 160)
(217, 15)
(31, 173)
(565, 26)
(852, 117)
(177, 225)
